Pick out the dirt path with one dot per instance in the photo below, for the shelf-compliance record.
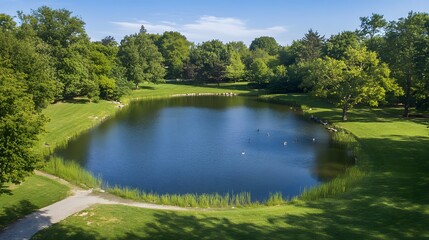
(80, 199)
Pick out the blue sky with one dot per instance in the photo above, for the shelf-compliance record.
(233, 20)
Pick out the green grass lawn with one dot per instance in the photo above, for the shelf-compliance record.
(36, 192)
(391, 202)
(164, 90)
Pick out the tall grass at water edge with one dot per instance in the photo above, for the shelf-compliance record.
(75, 174)
(214, 200)
(346, 181)
(72, 172)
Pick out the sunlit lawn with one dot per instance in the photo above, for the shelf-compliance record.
(36, 192)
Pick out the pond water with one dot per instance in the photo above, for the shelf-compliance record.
(210, 144)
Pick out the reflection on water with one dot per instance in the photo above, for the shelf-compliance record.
(209, 144)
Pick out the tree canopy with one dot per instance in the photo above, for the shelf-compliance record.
(175, 49)
(406, 51)
(358, 77)
(20, 125)
(211, 59)
(141, 59)
(268, 44)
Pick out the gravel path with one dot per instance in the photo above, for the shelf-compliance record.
(26, 227)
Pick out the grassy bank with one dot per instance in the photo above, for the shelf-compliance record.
(389, 202)
(186, 200)
(36, 192)
(72, 172)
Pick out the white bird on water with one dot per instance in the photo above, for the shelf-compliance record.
(242, 153)
(285, 143)
(314, 139)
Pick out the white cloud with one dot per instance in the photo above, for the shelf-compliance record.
(206, 28)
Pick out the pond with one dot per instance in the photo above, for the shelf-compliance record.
(210, 144)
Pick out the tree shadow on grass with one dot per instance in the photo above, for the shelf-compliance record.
(64, 232)
(5, 190)
(12, 213)
(77, 101)
(146, 87)
(169, 225)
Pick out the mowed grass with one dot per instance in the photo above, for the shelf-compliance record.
(119, 222)
(390, 202)
(150, 90)
(69, 119)
(36, 192)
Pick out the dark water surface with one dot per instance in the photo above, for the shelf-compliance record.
(210, 144)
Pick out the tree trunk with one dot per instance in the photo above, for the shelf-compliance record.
(345, 112)
(408, 95)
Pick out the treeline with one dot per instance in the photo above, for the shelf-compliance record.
(47, 56)
(51, 48)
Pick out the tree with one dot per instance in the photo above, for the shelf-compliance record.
(337, 45)
(69, 48)
(407, 54)
(58, 28)
(235, 70)
(371, 29)
(7, 23)
(24, 57)
(371, 26)
(357, 78)
(175, 49)
(210, 60)
(240, 48)
(20, 125)
(279, 82)
(312, 44)
(109, 41)
(268, 44)
(259, 71)
(141, 59)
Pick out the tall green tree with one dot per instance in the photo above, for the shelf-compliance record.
(25, 57)
(312, 45)
(59, 28)
(141, 59)
(210, 60)
(359, 77)
(109, 41)
(279, 82)
(20, 125)
(259, 71)
(407, 54)
(240, 48)
(236, 69)
(371, 26)
(337, 45)
(69, 48)
(175, 49)
(371, 29)
(7, 23)
(268, 44)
